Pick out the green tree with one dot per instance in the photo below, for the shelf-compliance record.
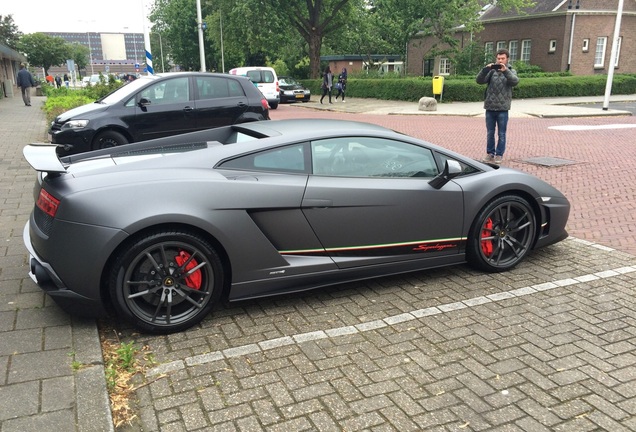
(44, 51)
(439, 19)
(9, 33)
(80, 54)
(470, 59)
(252, 34)
(314, 20)
(177, 22)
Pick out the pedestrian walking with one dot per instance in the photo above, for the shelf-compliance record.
(67, 80)
(500, 78)
(25, 82)
(327, 84)
(341, 85)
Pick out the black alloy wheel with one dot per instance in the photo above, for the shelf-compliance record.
(166, 282)
(502, 235)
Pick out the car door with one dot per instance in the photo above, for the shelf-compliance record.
(369, 202)
(219, 101)
(163, 108)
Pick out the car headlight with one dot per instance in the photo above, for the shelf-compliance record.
(75, 124)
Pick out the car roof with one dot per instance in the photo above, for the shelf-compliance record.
(306, 126)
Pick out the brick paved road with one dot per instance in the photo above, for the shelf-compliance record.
(549, 346)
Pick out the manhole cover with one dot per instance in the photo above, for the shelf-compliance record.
(548, 161)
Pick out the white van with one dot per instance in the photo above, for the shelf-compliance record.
(265, 79)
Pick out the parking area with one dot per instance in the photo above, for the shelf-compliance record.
(549, 346)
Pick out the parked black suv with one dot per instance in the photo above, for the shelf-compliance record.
(159, 105)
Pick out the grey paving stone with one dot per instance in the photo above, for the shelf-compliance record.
(19, 400)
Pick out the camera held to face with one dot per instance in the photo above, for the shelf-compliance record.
(495, 66)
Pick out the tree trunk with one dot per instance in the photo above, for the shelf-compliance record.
(315, 43)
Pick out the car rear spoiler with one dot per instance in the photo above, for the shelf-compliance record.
(43, 157)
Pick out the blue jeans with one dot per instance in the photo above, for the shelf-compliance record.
(498, 119)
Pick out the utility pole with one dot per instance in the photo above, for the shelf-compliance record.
(613, 55)
(200, 26)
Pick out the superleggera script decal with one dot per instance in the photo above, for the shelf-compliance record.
(435, 247)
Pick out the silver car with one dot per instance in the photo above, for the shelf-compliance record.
(161, 229)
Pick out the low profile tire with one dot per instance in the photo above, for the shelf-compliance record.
(108, 139)
(166, 281)
(502, 234)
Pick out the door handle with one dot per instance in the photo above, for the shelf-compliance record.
(188, 109)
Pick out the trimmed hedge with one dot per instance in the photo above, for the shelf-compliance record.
(467, 90)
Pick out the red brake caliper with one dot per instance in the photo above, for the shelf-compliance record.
(486, 245)
(194, 280)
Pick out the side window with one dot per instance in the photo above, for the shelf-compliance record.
(235, 89)
(371, 157)
(170, 91)
(282, 159)
(216, 87)
(466, 169)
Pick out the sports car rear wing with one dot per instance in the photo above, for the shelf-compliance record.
(43, 157)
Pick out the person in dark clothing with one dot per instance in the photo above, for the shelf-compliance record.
(327, 84)
(341, 85)
(25, 82)
(500, 79)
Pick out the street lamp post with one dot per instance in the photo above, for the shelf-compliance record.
(161, 52)
(572, 21)
(90, 51)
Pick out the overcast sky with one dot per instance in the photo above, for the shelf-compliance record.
(105, 16)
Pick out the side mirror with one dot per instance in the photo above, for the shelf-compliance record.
(144, 102)
(452, 169)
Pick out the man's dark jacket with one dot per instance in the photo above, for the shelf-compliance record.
(498, 95)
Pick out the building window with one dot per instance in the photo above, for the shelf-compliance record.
(501, 45)
(599, 56)
(553, 44)
(444, 66)
(586, 45)
(489, 51)
(513, 48)
(526, 47)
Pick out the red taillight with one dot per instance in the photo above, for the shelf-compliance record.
(277, 87)
(47, 203)
(265, 104)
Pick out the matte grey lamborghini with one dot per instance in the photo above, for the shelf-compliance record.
(160, 229)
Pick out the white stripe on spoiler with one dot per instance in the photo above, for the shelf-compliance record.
(43, 157)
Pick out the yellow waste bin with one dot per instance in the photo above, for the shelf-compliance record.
(438, 86)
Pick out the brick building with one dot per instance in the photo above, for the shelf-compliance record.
(556, 35)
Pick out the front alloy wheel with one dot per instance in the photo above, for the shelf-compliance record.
(166, 282)
(502, 234)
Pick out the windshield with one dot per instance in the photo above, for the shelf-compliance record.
(123, 93)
